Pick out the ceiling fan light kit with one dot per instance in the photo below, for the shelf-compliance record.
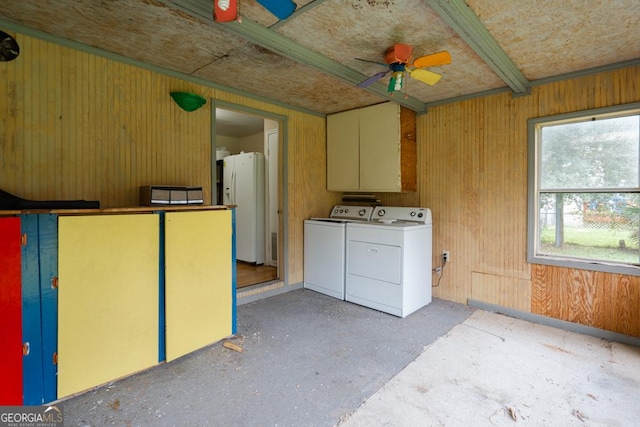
(397, 78)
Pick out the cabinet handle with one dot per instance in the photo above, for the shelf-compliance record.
(54, 282)
(26, 348)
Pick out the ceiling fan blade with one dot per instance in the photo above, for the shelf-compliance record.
(425, 76)
(371, 80)
(439, 58)
(372, 62)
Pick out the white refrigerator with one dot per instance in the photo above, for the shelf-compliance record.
(243, 181)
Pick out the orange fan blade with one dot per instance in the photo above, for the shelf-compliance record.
(440, 58)
(425, 76)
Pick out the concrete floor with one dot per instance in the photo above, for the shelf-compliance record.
(308, 360)
(496, 370)
(311, 360)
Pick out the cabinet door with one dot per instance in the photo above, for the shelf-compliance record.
(380, 147)
(48, 260)
(107, 298)
(343, 153)
(198, 289)
(10, 307)
(39, 307)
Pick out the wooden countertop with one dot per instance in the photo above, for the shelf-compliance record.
(131, 209)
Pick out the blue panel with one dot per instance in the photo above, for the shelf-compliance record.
(282, 9)
(31, 321)
(162, 327)
(234, 297)
(48, 249)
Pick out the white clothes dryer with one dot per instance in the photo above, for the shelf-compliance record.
(389, 260)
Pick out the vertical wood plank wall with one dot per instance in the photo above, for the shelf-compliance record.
(74, 125)
(473, 175)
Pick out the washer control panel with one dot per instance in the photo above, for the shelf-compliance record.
(347, 212)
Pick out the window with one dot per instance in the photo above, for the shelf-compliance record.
(584, 190)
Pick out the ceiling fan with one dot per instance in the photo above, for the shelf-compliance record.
(399, 61)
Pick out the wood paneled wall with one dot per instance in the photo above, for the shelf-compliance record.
(74, 125)
(473, 175)
(602, 300)
(79, 126)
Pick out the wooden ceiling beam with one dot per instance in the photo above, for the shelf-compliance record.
(459, 16)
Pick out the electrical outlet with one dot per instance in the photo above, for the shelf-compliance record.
(445, 256)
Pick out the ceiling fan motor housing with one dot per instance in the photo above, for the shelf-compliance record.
(398, 53)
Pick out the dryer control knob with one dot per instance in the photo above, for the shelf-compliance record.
(381, 212)
(361, 212)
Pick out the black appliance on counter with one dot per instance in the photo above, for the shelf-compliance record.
(11, 202)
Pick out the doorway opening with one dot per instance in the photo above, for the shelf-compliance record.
(248, 175)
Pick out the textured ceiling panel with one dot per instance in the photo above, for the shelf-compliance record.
(543, 38)
(549, 37)
(346, 29)
(146, 31)
(257, 13)
(256, 70)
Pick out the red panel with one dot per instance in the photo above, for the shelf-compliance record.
(10, 312)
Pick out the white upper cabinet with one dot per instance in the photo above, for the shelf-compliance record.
(372, 149)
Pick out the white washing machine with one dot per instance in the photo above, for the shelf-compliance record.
(324, 249)
(389, 260)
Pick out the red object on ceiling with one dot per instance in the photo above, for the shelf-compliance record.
(231, 14)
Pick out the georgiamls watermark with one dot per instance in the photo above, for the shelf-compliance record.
(31, 416)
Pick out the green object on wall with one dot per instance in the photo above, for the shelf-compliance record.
(188, 101)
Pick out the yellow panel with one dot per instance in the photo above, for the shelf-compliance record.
(108, 298)
(198, 280)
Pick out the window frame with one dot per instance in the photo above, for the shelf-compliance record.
(533, 154)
